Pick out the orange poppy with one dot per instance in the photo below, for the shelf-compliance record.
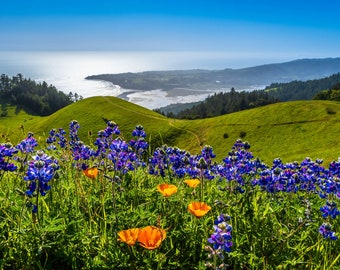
(166, 189)
(198, 209)
(91, 172)
(151, 237)
(129, 236)
(192, 182)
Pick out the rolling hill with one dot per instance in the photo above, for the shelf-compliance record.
(290, 130)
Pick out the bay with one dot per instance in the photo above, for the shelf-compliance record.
(66, 70)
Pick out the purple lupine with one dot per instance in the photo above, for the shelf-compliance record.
(139, 131)
(239, 166)
(221, 238)
(40, 171)
(27, 145)
(329, 185)
(74, 127)
(51, 139)
(6, 152)
(83, 152)
(122, 156)
(80, 151)
(329, 210)
(112, 128)
(139, 144)
(62, 140)
(201, 166)
(292, 177)
(326, 231)
(102, 142)
(105, 138)
(208, 154)
(159, 162)
(179, 161)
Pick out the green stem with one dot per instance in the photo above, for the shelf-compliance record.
(37, 202)
(104, 218)
(114, 201)
(215, 260)
(202, 189)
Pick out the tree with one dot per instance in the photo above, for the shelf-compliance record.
(336, 86)
(335, 95)
(76, 97)
(4, 82)
(36, 98)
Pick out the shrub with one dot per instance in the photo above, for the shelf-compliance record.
(243, 134)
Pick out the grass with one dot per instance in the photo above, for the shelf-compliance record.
(11, 126)
(290, 130)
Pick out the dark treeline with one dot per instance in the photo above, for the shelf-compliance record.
(35, 98)
(331, 94)
(302, 90)
(226, 102)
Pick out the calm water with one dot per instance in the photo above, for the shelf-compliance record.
(67, 70)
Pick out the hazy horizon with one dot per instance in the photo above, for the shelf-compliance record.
(246, 29)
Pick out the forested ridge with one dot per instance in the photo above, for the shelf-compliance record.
(226, 102)
(327, 88)
(301, 90)
(35, 98)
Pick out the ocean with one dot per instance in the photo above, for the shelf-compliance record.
(66, 70)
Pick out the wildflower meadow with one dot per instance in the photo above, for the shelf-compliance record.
(125, 204)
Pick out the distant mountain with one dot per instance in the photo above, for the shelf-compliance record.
(245, 78)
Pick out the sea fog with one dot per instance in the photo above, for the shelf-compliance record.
(67, 70)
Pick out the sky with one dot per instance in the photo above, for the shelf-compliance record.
(289, 28)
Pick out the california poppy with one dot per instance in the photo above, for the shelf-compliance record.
(198, 209)
(166, 189)
(192, 182)
(129, 236)
(151, 237)
(91, 172)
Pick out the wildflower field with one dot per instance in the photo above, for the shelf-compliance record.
(117, 204)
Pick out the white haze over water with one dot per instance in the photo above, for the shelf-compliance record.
(67, 70)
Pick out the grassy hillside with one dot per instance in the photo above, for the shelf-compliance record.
(12, 127)
(291, 130)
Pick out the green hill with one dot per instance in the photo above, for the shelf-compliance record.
(290, 130)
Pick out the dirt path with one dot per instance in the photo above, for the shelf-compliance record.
(172, 123)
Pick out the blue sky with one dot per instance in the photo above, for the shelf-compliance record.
(291, 28)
